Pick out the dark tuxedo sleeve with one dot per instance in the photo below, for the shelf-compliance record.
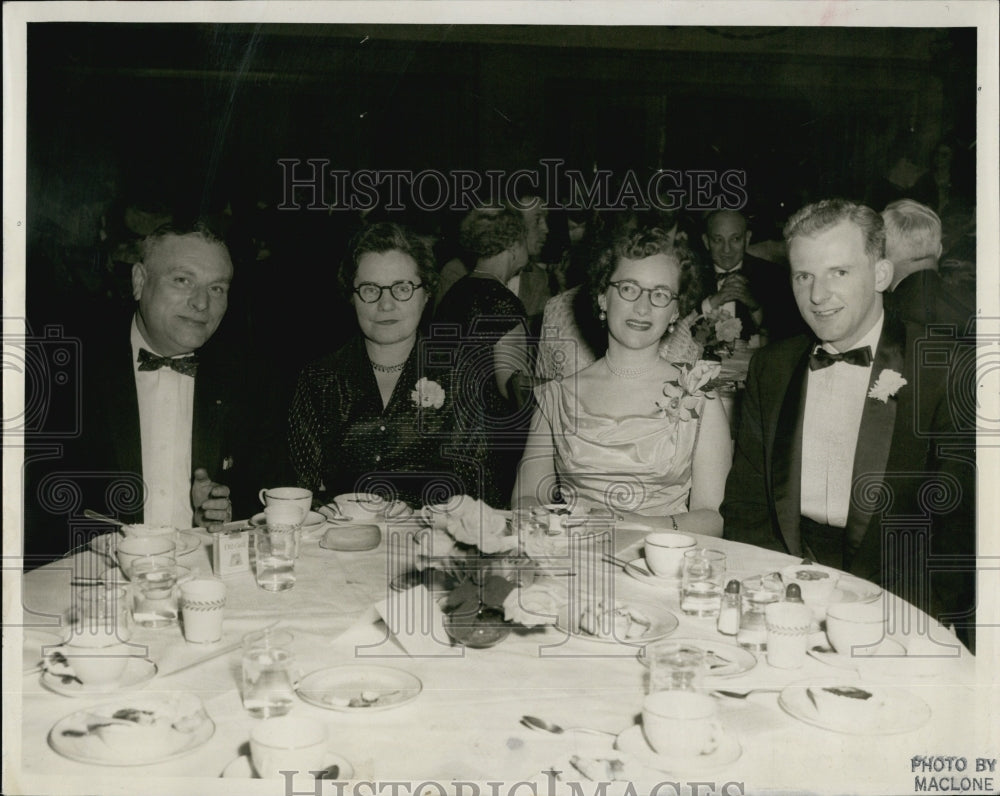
(746, 509)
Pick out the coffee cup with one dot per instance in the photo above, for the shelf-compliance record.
(665, 553)
(850, 625)
(288, 496)
(681, 724)
(287, 743)
(95, 658)
(817, 584)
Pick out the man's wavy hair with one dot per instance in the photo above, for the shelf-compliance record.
(820, 216)
(386, 236)
(202, 228)
(637, 244)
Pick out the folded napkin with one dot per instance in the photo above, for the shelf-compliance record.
(416, 623)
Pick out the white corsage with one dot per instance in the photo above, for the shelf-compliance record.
(428, 393)
(886, 385)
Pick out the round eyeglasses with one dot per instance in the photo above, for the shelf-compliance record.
(630, 291)
(369, 292)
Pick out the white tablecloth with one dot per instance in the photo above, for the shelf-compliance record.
(464, 726)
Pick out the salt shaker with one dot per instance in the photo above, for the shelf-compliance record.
(729, 611)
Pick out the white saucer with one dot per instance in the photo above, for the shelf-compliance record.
(337, 687)
(634, 743)
(115, 577)
(71, 735)
(312, 528)
(901, 712)
(639, 570)
(887, 649)
(138, 672)
(242, 768)
(107, 543)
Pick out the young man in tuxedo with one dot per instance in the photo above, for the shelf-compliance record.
(850, 451)
(166, 416)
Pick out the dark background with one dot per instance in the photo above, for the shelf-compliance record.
(130, 120)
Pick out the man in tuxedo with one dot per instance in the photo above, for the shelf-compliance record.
(753, 290)
(165, 415)
(849, 451)
(917, 292)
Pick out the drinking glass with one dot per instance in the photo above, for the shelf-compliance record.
(758, 592)
(276, 547)
(268, 673)
(703, 581)
(674, 666)
(154, 593)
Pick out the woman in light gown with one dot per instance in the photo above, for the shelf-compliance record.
(633, 432)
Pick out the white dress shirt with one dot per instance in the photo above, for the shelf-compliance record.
(835, 400)
(166, 417)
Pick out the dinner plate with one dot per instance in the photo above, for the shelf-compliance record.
(855, 590)
(900, 711)
(242, 768)
(639, 570)
(72, 738)
(138, 672)
(633, 742)
(357, 688)
(723, 659)
(663, 623)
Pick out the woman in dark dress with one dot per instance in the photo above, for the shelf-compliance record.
(378, 414)
(487, 326)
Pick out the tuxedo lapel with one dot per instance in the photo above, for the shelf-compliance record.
(211, 404)
(120, 404)
(786, 456)
(875, 435)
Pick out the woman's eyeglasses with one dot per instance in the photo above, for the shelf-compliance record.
(630, 291)
(369, 292)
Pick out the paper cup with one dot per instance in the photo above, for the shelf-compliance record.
(203, 603)
(788, 627)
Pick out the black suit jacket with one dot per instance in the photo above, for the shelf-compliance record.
(237, 436)
(913, 494)
(770, 286)
(922, 298)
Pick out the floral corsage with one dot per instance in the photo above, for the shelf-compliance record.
(428, 393)
(886, 385)
(684, 394)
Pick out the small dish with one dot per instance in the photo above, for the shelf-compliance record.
(897, 711)
(723, 659)
(633, 742)
(138, 672)
(74, 736)
(354, 688)
(242, 768)
(855, 590)
(639, 570)
(661, 623)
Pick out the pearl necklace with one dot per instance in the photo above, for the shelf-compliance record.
(388, 368)
(626, 373)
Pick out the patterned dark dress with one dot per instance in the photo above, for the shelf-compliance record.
(474, 315)
(340, 437)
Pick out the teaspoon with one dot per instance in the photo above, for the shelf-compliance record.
(535, 723)
(93, 515)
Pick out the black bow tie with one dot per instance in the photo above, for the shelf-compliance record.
(186, 366)
(821, 358)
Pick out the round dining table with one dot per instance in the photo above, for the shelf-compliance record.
(464, 725)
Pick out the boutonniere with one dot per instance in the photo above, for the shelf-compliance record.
(886, 385)
(227, 463)
(428, 393)
(684, 393)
